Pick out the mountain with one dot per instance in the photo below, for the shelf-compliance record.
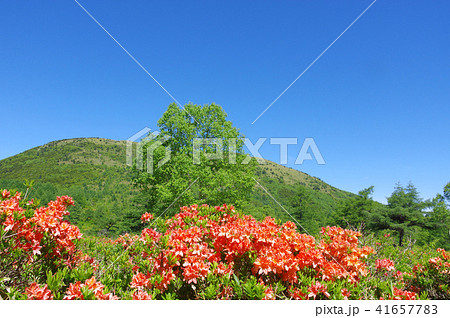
(93, 171)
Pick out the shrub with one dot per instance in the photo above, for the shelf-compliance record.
(216, 253)
(206, 253)
(34, 240)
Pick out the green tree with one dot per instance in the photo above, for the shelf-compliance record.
(403, 214)
(447, 192)
(305, 211)
(438, 215)
(189, 176)
(354, 212)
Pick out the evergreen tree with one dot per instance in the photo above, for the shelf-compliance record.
(403, 214)
(355, 211)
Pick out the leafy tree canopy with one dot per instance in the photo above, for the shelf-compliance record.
(206, 161)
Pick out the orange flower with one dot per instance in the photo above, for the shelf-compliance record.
(404, 295)
(297, 293)
(345, 293)
(5, 194)
(269, 294)
(385, 263)
(75, 291)
(316, 289)
(35, 292)
(139, 281)
(141, 295)
(146, 217)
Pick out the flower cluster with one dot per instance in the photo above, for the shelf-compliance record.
(146, 217)
(202, 253)
(42, 231)
(384, 264)
(316, 289)
(432, 277)
(126, 240)
(35, 292)
(343, 257)
(90, 289)
(200, 241)
(400, 294)
(35, 240)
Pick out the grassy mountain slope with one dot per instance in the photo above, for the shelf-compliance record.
(93, 172)
(284, 184)
(67, 162)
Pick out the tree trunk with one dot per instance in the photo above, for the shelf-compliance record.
(401, 233)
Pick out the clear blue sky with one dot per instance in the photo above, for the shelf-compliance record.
(376, 103)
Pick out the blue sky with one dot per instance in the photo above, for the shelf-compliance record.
(376, 103)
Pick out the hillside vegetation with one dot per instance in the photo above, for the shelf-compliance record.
(93, 171)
